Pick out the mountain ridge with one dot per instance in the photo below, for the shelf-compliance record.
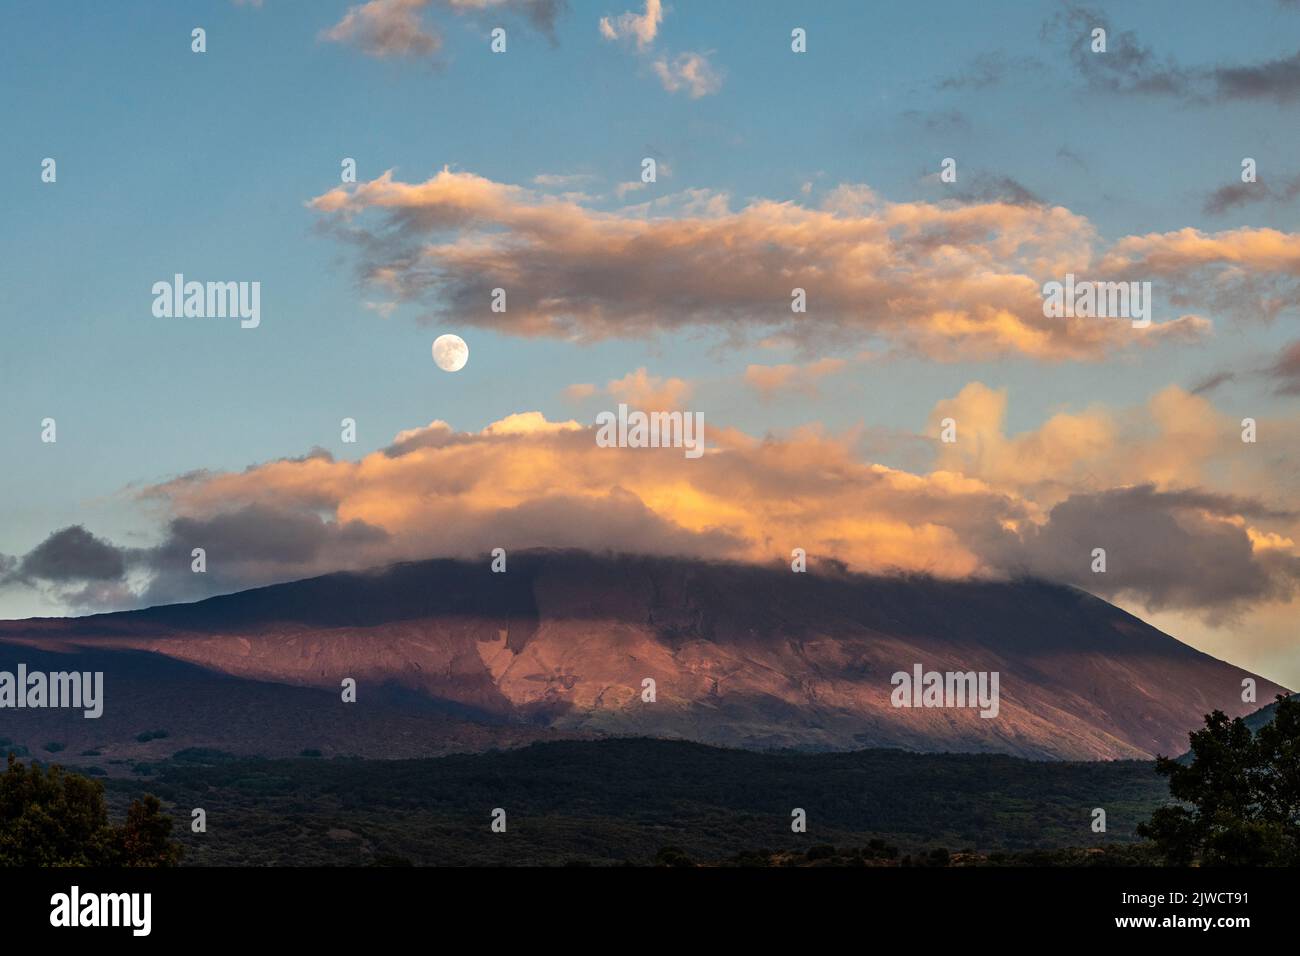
(741, 655)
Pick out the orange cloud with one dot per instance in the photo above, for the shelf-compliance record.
(1139, 482)
(1249, 273)
(768, 380)
(650, 392)
(945, 280)
(638, 389)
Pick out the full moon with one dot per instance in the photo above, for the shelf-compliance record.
(450, 352)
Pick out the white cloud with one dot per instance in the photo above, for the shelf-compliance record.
(691, 72)
(640, 27)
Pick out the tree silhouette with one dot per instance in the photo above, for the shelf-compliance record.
(1239, 793)
(55, 818)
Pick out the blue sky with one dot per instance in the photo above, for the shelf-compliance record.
(171, 161)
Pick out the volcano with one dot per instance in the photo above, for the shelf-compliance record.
(568, 643)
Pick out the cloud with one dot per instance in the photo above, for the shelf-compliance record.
(988, 70)
(395, 28)
(1130, 67)
(689, 72)
(946, 280)
(1235, 195)
(1213, 381)
(642, 28)
(73, 554)
(649, 392)
(561, 180)
(386, 28)
(1191, 518)
(1176, 439)
(73, 568)
(438, 434)
(770, 380)
(945, 121)
(1282, 374)
(1147, 483)
(638, 389)
(384, 309)
(1127, 65)
(1285, 372)
(250, 544)
(1070, 156)
(1136, 482)
(542, 14)
(1249, 273)
(441, 491)
(1203, 554)
(1277, 79)
(988, 188)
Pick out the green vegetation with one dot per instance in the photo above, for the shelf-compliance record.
(644, 801)
(671, 803)
(49, 817)
(1239, 793)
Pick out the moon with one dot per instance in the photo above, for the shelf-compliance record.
(450, 352)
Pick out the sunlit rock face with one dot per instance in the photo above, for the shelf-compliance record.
(738, 655)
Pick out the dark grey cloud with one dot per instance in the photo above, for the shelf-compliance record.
(1127, 66)
(1213, 381)
(258, 533)
(943, 121)
(73, 554)
(543, 14)
(1282, 374)
(1235, 195)
(1130, 66)
(987, 187)
(987, 70)
(249, 547)
(1167, 549)
(1285, 372)
(1273, 79)
(253, 546)
(1070, 156)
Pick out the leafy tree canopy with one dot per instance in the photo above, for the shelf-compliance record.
(1239, 793)
(55, 818)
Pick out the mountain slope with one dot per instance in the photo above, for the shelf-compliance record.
(741, 655)
(1262, 717)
